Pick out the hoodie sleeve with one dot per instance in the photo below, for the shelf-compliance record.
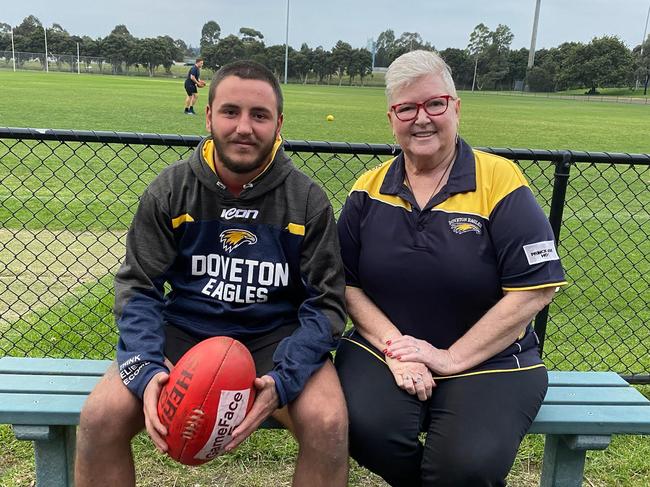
(322, 312)
(139, 294)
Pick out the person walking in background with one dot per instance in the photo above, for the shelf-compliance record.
(192, 84)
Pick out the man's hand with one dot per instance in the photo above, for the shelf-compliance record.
(413, 377)
(266, 401)
(150, 405)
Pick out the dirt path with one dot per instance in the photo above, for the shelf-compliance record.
(38, 268)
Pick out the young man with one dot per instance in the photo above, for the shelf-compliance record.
(248, 245)
(192, 84)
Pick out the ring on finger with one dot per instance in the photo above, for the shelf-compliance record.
(417, 349)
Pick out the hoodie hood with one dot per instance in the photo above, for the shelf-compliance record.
(274, 174)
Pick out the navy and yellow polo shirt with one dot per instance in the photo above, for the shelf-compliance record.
(436, 271)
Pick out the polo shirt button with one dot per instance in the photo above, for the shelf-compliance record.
(420, 227)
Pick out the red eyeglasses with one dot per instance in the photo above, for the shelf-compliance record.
(434, 106)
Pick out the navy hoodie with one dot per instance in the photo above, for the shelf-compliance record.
(214, 264)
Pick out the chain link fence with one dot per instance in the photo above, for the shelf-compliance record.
(67, 199)
(70, 63)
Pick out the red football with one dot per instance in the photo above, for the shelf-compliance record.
(208, 394)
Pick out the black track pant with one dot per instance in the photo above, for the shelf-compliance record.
(473, 424)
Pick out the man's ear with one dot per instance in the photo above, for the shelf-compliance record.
(280, 122)
(208, 118)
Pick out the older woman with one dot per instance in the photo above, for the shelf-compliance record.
(448, 257)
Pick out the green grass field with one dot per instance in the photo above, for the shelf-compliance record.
(72, 202)
(63, 100)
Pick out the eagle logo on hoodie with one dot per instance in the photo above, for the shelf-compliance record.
(235, 237)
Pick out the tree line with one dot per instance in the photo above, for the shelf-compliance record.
(303, 64)
(487, 62)
(121, 49)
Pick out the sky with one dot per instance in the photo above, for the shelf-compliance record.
(323, 22)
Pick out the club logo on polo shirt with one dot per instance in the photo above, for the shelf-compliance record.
(236, 237)
(465, 224)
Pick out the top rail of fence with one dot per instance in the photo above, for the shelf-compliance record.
(135, 138)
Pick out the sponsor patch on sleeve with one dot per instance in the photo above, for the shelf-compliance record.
(540, 252)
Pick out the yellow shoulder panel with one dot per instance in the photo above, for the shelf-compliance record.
(179, 220)
(296, 229)
(496, 177)
(370, 183)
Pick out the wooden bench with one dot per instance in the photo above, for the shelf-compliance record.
(42, 399)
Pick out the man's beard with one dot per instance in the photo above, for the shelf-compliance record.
(239, 167)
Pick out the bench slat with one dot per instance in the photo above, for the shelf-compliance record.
(20, 408)
(595, 395)
(592, 420)
(42, 409)
(47, 384)
(53, 366)
(54, 384)
(583, 379)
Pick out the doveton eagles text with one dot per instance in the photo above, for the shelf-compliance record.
(239, 280)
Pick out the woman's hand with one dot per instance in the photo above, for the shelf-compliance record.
(415, 378)
(409, 349)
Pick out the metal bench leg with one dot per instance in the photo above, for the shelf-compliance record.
(564, 458)
(53, 452)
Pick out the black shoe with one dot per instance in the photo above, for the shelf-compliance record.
(191, 110)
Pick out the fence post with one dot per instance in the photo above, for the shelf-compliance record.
(560, 183)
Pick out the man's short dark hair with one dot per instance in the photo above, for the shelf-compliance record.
(247, 70)
(198, 60)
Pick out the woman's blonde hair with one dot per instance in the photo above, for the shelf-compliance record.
(413, 65)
